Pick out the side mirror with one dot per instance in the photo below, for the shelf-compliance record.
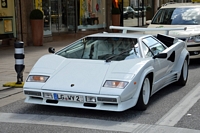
(51, 50)
(148, 22)
(160, 56)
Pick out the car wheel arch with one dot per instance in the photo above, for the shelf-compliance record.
(146, 72)
(141, 104)
(184, 55)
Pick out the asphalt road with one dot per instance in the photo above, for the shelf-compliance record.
(161, 104)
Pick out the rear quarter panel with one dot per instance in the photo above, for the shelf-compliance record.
(180, 54)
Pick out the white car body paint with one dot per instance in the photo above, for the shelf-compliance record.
(86, 77)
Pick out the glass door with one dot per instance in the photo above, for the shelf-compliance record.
(47, 20)
(63, 15)
(69, 13)
(135, 12)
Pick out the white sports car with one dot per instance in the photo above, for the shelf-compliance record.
(108, 71)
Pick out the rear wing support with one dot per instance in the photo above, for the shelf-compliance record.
(125, 29)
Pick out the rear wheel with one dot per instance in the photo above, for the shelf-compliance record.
(184, 74)
(144, 96)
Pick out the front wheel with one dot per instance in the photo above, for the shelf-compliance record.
(144, 96)
(132, 16)
(184, 74)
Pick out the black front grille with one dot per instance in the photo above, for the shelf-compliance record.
(194, 45)
(52, 101)
(194, 53)
(33, 93)
(105, 99)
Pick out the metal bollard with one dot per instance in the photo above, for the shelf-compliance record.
(19, 61)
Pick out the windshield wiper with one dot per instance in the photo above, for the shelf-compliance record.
(108, 59)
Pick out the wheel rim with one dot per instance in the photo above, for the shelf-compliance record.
(185, 70)
(146, 91)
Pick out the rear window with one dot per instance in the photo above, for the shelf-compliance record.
(177, 16)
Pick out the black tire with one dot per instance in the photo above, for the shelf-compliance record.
(184, 74)
(132, 16)
(127, 16)
(142, 103)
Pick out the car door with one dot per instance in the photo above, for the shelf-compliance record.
(162, 66)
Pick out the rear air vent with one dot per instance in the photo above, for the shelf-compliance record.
(171, 79)
(168, 41)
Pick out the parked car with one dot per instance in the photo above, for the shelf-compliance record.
(128, 12)
(108, 71)
(187, 15)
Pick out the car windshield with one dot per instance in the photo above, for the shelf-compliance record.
(139, 8)
(124, 9)
(101, 48)
(177, 16)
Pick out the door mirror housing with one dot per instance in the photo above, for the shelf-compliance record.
(51, 50)
(148, 22)
(160, 56)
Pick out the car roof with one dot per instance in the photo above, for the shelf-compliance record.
(121, 35)
(180, 5)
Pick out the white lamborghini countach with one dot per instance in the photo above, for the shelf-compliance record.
(108, 71)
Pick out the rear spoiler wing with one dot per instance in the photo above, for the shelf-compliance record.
(125, 29)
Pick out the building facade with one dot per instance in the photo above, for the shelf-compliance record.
(64, 16)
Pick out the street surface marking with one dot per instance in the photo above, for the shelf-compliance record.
(10, 98)
(181, 108)
(86, 123)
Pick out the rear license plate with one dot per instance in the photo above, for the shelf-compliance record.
(65, 97)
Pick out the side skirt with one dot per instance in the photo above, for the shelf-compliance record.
(167, 80)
